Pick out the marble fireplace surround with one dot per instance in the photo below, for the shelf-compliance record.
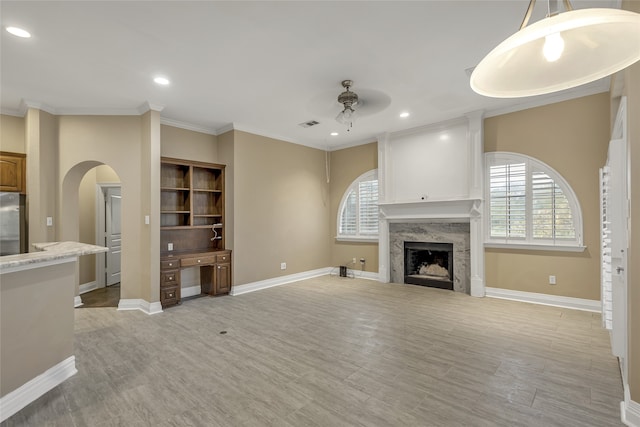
(432, 232)
(448, 221)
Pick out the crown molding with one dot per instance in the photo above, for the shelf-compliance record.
(224, 129)
(188, 126)
(147, 106)
(350, 144)
(27, 103)
(10, 112)
(597, 87)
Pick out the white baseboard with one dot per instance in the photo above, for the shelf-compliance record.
(277, 281)
(77, 301)
(140, 304)
(190, 291)
(544, 299)
(33, 389)
(355, 274)
(88, 287)
(629, 409)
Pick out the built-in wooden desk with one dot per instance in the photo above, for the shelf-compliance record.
(215, 273)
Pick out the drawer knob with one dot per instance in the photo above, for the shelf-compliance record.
(219, 267)
(170, 295)
(170, 278)
(170, 264)
(198, 260)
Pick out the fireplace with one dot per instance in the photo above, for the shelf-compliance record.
(429, 264)
(452, 238)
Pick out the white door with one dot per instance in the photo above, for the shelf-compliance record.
(113, 234)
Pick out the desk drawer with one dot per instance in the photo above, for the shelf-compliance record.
(226, 258)
(169, 278)
(169, 296)
(170, 265)
(204, 260)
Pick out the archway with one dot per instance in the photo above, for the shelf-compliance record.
(80, 198)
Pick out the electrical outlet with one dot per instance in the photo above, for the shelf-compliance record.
(49, 221)
(283, 266)
(169, 246)
(552, 280)
(354, 261)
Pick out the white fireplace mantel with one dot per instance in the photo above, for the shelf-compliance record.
(451, 210)
(409, 164)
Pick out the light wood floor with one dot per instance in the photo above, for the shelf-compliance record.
(337, 352)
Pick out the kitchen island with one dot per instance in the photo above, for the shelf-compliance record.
(37, 292)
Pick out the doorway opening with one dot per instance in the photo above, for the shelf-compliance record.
(100, 221)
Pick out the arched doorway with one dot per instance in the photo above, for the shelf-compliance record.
(91, 215)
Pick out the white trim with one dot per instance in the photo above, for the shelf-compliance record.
(544, 299)
(599, 86)
(629, 410)
(190, 291)
(140, 304)
(360, 239)
(14, 401)
(357, 274)
(77, 301)
(88, 287)
(188, 126)
(533, 246)
(277, 281)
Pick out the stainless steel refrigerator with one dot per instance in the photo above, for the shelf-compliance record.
(13, 230)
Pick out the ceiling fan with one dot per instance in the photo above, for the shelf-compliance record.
(348, 104)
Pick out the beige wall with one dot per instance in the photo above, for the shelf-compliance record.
(281, 204)
(41, 143)
(12, 134)
(117, 141)
(35, 314)
(226, 157)
(345, 166)
(572, 137)
(87, 199)
(188, 145)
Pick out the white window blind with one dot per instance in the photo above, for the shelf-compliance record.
(530, 203)
(358, 211)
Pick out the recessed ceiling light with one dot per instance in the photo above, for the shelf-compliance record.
(161, 81)
(404, 114)
(334, 134)
(444, 137)
(19, 32)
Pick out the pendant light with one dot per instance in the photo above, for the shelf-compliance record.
(561, 51)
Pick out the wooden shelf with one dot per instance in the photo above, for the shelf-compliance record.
(191, 198)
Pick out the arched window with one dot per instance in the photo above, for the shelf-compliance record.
(358, 210)
(528, 203)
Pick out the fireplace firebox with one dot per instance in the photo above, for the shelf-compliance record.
(428, 264)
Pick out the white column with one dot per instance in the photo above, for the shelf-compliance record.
(477, 249)
(476, 191)
(384, 272)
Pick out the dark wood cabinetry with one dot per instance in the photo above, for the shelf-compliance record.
(215, 274)
(192, 227)
(12, 172)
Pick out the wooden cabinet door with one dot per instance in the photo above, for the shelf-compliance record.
(223, 278)
(12, 169)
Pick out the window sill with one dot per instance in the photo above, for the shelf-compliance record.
(535, 247)
(360, 239)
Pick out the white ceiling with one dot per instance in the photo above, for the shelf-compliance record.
(262, 66)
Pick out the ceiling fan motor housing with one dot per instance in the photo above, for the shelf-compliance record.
(347, 98)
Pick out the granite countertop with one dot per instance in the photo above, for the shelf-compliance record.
(49, 251)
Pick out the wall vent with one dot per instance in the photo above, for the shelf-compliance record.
(309, 123)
